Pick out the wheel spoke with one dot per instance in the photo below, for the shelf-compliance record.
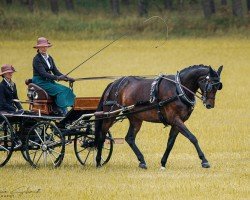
(6, 136)
(38, 135)
(55, 152)
(45, 158)
(39, 158)
(81, 150)
(35, 143)
(4, 148)
(87, 156)
(51, 159)
(34, 155)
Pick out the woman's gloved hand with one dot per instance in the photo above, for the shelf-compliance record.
(62, 78)
(70, 79)
(19, 112)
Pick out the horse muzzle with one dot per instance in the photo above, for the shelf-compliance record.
(208, 104)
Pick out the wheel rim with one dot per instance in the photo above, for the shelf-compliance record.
(85, 149)
(45, 145)
(6, 140)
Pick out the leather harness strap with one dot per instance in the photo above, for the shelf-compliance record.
(162, 118)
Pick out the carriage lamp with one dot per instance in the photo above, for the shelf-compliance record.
(32, 94)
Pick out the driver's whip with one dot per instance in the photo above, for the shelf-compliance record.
(96, 53)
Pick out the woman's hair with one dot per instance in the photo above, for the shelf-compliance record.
(37, 50)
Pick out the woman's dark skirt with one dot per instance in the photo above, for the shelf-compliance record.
(64, 96)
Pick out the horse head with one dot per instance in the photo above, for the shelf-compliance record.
(209, 86)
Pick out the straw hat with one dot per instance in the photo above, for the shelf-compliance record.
(6, 68)
(42, 42)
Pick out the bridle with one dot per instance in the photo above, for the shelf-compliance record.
(208, 84)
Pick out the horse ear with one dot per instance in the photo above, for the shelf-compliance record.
(220, 69)
(210, 70)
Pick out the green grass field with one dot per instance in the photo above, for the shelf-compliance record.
(223, 132)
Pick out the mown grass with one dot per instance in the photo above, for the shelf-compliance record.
(223, 132)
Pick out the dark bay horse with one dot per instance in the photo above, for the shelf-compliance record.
(173, 106)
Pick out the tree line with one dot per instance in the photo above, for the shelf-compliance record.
(143, 6)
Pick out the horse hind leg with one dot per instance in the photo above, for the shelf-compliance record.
(134, 127)
(100, 139)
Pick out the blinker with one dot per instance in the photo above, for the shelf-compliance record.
(220, 86)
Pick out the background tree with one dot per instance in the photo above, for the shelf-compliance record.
(9, 1)
(126, 2)
(237, 8)
(24, 2)
(168, 4)
(54, 6)
(223, 2)
(115, 7)
(212, 5)
(208, 7)
(69, 4)
(143, 7)
(248, 6)
(31, 5)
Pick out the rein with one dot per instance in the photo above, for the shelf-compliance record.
(108, 77)
(178, 82)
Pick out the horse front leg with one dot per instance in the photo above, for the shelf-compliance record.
(171, 139)
(184, 131)
(130, 139)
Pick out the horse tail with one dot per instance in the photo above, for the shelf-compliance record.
(98, 123)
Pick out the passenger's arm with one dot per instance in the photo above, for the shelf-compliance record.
(17, 104)
(3, 104)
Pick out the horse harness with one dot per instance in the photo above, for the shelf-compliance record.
(155, 102)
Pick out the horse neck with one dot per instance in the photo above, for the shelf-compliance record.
(189, 78)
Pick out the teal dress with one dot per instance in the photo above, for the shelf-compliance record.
(45, 74)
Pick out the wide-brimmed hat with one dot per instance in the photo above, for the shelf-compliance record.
(42, 42)
(6, 68)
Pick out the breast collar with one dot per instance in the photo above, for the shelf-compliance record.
(181, 92)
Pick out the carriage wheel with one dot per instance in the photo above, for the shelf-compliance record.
(6, 140)
(85, 149)
(45, 145)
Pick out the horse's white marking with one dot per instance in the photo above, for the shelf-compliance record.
(163, 168)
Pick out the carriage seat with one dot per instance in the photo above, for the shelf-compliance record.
(39, 99)
(35, 92)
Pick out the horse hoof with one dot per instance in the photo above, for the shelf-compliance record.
(163, 168)
(205, 165)
(143, 165)
(98, 166)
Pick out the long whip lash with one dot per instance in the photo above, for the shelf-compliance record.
(164, 21)
(96, 53)
(153, 17)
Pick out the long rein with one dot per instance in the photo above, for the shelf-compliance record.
(125, 110)
(193, 93)
(146, 76)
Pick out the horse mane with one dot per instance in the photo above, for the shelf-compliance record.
(192, 67)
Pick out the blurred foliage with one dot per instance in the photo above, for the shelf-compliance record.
(93, 19)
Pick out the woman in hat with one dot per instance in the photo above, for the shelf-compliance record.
(8, 92)
(45, 73)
